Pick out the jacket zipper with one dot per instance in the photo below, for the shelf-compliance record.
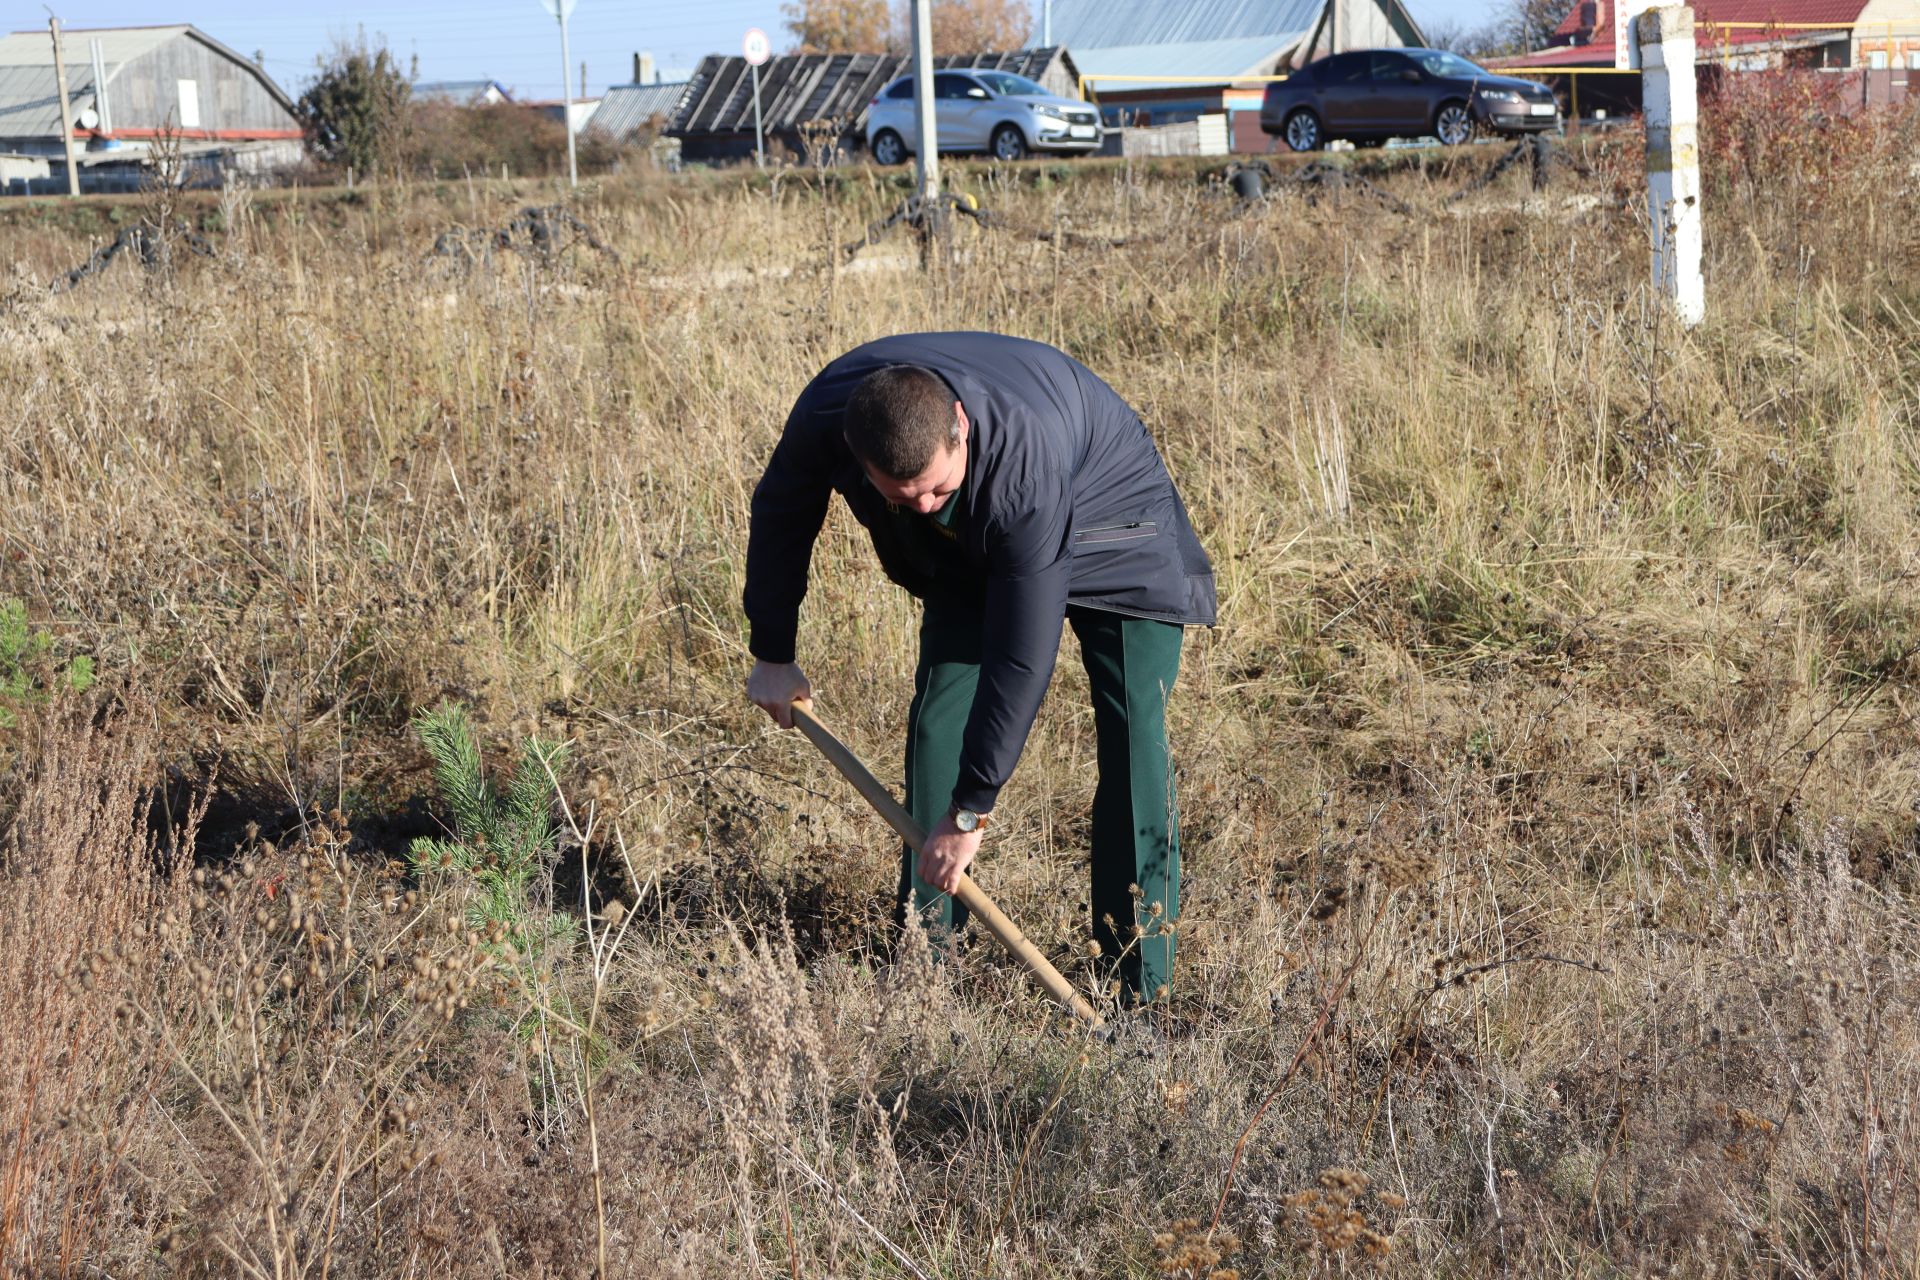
(1115, 533)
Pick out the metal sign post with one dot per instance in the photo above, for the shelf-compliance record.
(757, 49)
(560, 9)
(100, 90)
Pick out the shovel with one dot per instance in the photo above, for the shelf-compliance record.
(968, 894)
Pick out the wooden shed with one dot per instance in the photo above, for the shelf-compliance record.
(714, 119)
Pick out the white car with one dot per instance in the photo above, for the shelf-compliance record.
(1000, 113)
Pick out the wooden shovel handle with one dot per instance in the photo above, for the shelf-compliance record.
(968, 894)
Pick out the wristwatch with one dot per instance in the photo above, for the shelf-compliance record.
(966, 820)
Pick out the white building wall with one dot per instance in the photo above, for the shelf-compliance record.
(1364, 24)
(1890, 28)
(28, 167)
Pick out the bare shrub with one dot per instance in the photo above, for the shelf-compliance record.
(448, 140)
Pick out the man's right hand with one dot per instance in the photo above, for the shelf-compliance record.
(775, 686)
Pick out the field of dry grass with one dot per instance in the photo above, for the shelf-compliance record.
(1548, 787)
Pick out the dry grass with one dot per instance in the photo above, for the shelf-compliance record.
(1548, 785)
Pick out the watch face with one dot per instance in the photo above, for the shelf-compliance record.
(966, 819)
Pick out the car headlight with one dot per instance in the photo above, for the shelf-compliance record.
(1501, 95)
(1049, 116)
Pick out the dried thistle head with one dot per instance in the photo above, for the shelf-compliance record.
(1331, 1217)
(1191, 1250)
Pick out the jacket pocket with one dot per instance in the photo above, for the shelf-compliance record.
(1106, 535)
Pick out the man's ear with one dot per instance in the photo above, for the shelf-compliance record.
(960, 421)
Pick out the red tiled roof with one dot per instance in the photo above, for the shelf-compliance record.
(1575, 44)
(1561, 55)
(1844, 12)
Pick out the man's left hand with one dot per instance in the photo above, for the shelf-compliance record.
(947, 853)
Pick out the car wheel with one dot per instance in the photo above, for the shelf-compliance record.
(888, 148)
(1303, 131)
(1453, 124)
(1009, 143)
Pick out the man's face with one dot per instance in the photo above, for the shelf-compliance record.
(929, 491)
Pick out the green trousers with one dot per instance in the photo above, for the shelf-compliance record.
(1131, 664)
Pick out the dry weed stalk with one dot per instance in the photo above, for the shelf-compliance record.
(604, 934)
(1334, 995)
(88, 896)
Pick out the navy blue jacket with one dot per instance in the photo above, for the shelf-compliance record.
(1066, 501)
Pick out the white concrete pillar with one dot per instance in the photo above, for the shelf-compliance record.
(1664, 46)
(925, 136)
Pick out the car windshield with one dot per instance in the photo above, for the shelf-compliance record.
(1447, 65)
(1008, 85)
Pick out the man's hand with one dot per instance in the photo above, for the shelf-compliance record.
(947, 853)
(775, 686)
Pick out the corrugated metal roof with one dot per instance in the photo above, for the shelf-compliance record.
(1227, 59)
(30, 99)
(798, 88)
(1085, 26)
(117, 44)
(628, 107)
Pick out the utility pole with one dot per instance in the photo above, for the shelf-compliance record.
(566, 106)
(66, 107)
(927, 142)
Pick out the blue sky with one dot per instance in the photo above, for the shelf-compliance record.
(512, 41)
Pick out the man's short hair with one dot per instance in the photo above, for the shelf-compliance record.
(899, 417)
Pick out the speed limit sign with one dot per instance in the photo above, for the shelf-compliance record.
(756, 46)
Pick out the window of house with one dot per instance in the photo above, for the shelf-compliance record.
(1876, 60)
(1913, 60)
(189, 113)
